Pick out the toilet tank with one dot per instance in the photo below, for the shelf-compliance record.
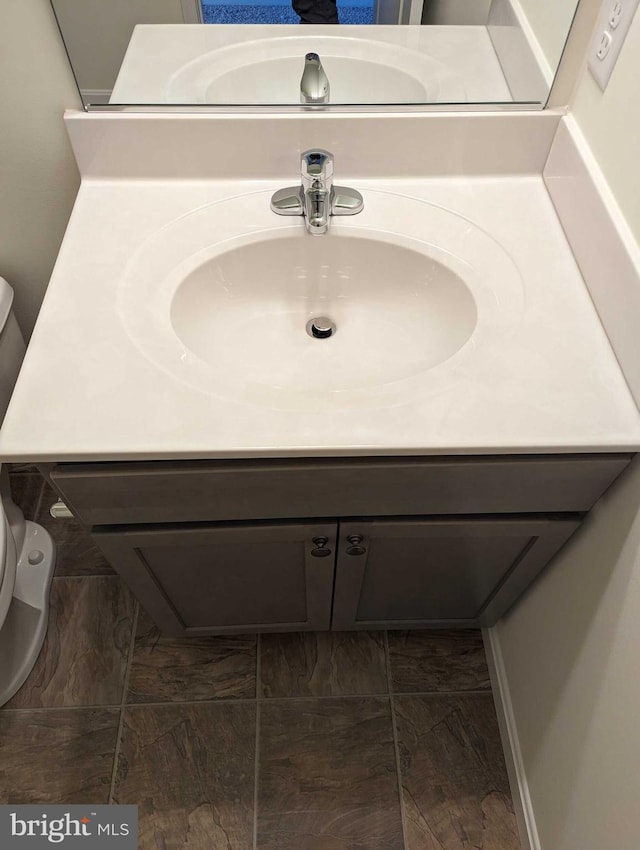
(12, 346)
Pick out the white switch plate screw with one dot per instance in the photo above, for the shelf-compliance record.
(612, 27)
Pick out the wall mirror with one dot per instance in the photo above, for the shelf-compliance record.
(204, 53)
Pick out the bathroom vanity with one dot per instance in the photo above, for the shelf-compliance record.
(418, 468)
(357, 543)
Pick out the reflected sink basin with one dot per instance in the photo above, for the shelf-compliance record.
(268, 70)
(220, 299)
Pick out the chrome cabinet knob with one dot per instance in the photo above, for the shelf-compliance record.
(320, 549)
(355, 544)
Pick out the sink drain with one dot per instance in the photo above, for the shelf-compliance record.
(320, 327)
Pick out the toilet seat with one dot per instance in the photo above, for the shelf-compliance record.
(24, 601)
(27, 552)
(3, 548)
(8, 563)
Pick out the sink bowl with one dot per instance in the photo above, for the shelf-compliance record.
(268, 70)
(221, 299)
(397, 312)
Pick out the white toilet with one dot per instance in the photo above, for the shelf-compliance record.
(27, 552)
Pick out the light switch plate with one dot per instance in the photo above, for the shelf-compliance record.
(613, 25)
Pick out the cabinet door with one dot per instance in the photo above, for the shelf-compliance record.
(437, 572)
(199, 580)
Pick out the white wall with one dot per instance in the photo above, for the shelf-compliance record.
(39, 177)
(571, 647)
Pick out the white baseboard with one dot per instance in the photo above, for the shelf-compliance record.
(525, 816)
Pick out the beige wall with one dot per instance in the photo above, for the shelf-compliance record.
(610, 121)
(571, 650)
(550, 21)
(572, 646)
(456, 12)
(39, 179)
(97, 33)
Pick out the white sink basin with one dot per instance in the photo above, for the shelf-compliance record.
(413, 290)
(360, 70)
(397, 312)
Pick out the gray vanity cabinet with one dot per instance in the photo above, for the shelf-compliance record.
(428, 572)
(204, 579)
(344, 543)
(196, 580)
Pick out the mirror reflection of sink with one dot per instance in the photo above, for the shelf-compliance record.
(360, 70)
(248, 64)
(222, 298)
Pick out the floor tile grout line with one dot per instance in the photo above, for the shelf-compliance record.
(113, 706)
(259, 666)
(311, 697)
(396, 746)
(301, 697)
(256, 789)
(83, 576)
(256, 769)
(374, 695)
(175, 703)
(123, 702)
(387, 661)
(444, 693)
(239, 700)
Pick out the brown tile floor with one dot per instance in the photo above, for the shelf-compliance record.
(362, 740)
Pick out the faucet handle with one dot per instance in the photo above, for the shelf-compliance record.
(346, 201)
(316, 164)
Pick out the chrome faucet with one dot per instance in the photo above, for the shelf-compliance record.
(316, 171)
(314, 84)
(317, 199)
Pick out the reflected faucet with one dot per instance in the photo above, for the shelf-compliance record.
(317, 198)
(314, 84)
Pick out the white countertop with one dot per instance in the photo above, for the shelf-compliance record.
(87, 392)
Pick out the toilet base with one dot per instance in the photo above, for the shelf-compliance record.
(23, 631)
